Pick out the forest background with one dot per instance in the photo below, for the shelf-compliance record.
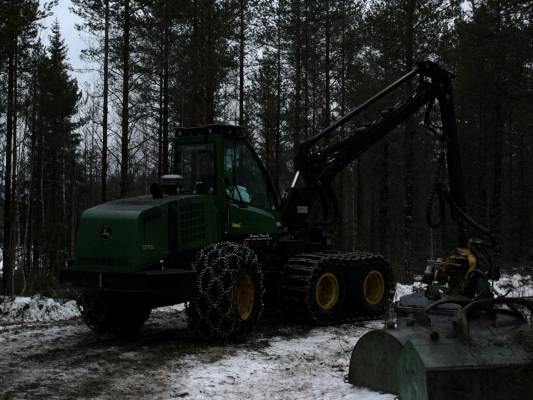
(283, 69)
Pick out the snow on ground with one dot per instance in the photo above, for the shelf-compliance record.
(514, 285)
(20, 310)
(64, 360)
(35, 309)
(309, 366)
(47, 352)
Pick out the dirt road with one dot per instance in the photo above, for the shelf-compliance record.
(64, 360)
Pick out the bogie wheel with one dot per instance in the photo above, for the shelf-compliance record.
(372, 281)
(326, 294)
(313, 286)
(111, 314)
(228, 300)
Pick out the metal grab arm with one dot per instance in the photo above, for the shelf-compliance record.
(462, 321)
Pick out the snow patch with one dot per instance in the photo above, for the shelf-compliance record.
(170, 309)
(21, 310)
(514, 286)
(309, 367)
(36, 309)
(404, 290)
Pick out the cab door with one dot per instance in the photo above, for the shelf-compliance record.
(251, 199)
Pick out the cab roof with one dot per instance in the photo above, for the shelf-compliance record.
(212, 129)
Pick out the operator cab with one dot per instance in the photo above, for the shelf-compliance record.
(218, 161)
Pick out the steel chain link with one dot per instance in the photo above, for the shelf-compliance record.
(211, 313)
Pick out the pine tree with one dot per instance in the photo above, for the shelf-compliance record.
(58, 101)
(17, 27)
(495, 92)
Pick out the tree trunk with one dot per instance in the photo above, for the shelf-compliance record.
(160, 127)
(124, 167)
(166, 54)
(28, 229)
(278, 104)
(297, 77)
(327, 70)
(242, 9)
(384, 226)
(359, 207)
(409, 150)
(496, 209)
(523, 222)
(103, 177)
(7, 272)
(14, 212)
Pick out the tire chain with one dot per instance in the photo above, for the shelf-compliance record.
(211, 314)
(298, 273)
(90, 314)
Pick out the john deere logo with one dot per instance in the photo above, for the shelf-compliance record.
(106, 232)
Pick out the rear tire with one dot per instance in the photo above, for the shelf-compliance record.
(109, 314)
(228, 301)
(313, 287)
(372, 285)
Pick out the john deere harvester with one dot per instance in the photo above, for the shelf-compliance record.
(216, 234)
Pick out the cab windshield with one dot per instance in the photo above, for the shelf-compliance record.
(196, 163)
(245, 179)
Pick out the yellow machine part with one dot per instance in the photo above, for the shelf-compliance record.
(327, 291)
(374, 287)
(243, 295)
(459, 264)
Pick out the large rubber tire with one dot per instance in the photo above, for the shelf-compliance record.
(313, 287)
(104, 313)
(228, 300)
(371, 285)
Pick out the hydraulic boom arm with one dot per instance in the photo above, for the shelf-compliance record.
(317, 167)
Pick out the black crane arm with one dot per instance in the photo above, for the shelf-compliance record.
(317, 167)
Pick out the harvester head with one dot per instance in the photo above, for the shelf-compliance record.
(450, 349)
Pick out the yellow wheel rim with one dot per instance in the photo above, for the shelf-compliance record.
(374, 287)
(327, 291)
(243, 295)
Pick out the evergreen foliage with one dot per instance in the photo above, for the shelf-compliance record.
(284, 69)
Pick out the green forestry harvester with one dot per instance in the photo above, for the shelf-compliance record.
(217, 235)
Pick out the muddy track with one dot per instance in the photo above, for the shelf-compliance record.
(65, 360)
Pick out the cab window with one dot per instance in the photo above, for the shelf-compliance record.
(245, 179)
(196, 163)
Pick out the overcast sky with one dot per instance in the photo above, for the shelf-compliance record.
(73, 39)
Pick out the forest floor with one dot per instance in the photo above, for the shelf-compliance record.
(48, 353)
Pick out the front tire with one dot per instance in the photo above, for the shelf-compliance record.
(228, 300)
(111, 314)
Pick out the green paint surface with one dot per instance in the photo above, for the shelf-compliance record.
(134, 234)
